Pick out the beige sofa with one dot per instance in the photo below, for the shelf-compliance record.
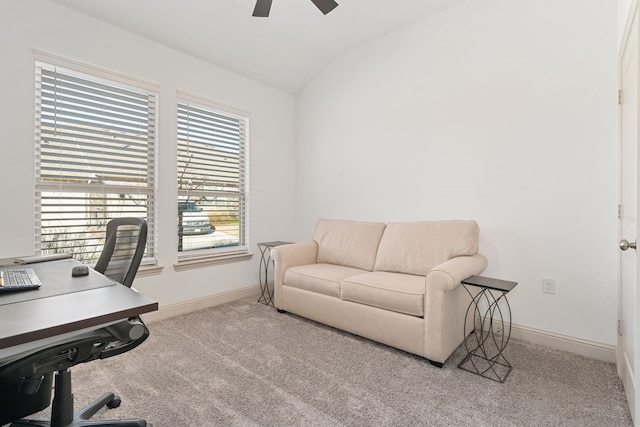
(397, 283)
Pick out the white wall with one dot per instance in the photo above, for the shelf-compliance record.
(623, 13)
(502, 111)
(37, 24)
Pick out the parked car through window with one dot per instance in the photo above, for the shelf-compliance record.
(194, 219)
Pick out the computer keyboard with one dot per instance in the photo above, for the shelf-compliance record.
(18, 279)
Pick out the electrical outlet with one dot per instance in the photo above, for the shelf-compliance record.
(549, 285)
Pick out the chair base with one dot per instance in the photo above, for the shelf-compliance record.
(62, 409)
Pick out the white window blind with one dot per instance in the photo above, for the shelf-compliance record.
(95, 160)
(212, 179)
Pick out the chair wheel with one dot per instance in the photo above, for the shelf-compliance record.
(114, 403)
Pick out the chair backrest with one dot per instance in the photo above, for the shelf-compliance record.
(123, 249)
(16, 405)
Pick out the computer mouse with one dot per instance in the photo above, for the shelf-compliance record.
(79, 270)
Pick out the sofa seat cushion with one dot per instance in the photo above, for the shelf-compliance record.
(399, 292)
(321, 278)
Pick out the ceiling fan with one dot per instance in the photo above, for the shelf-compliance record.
(264, 6)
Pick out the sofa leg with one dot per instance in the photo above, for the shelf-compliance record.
(436, 364)
(280, 311)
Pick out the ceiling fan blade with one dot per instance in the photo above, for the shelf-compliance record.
(325, 6)
(262, 8)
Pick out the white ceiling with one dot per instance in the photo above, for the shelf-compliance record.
(284, 50)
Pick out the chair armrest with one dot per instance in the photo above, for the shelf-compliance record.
(287, 256)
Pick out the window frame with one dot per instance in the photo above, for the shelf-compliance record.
(187, 259)
(148, 189)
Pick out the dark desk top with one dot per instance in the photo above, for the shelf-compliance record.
(56, 280)
(96, 300)
(487, 282)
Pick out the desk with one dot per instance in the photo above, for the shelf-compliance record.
(102, 302)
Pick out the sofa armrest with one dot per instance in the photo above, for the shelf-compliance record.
(287, 256)
(447, 276)
(446, 303)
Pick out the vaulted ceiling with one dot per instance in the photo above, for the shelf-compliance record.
(284, 50)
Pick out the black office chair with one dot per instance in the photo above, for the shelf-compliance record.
(25, 384)
(123, 249)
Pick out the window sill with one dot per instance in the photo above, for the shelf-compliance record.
(206, 261)
(149, 270)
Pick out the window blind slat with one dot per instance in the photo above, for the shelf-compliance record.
(63, 78)
(80, 141)
(61, 98)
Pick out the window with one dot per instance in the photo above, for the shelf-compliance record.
(95, 145)
(212, 179)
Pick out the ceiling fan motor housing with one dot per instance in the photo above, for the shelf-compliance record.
(263, 7)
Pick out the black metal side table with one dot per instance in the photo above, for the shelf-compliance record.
(266, 285)
(492, 328)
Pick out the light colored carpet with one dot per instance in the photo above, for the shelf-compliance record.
(245, 364)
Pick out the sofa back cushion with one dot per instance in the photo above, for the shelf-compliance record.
(348, 243)
(417, 247)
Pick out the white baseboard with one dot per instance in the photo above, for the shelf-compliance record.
(554, 340)
(591, 349)
(173, 310)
